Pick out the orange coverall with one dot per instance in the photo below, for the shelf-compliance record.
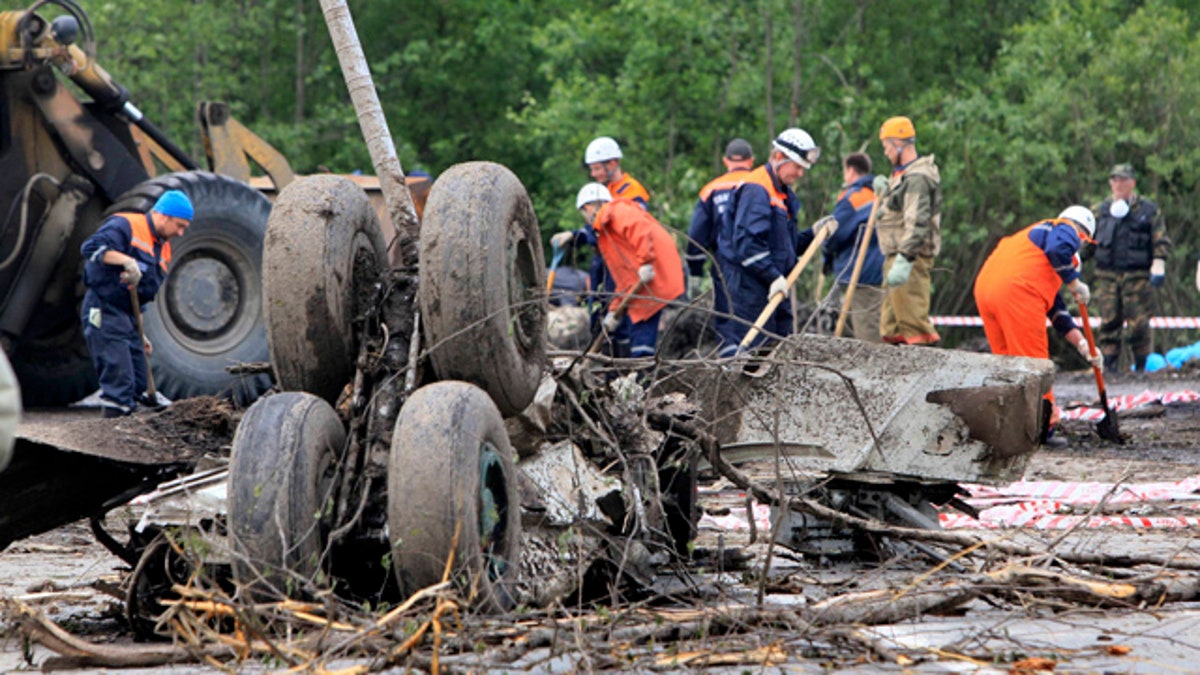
(1016, 289)
(629, 237)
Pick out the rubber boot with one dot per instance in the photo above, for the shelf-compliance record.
(1139, 362)
(1110, 363)
(1054, 439)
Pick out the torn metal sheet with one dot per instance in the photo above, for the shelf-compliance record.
(938, 414)
(189, 500)
(567, 488)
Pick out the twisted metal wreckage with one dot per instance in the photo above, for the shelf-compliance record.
(421, 436)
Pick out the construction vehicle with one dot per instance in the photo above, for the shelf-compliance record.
(67, 163)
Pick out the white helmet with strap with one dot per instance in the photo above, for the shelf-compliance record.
(1082, 215)
(601, 150)
(797, 146)
(592, 192)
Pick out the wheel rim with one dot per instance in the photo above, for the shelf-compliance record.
(207, 296)
(493, 510)
(525, 292)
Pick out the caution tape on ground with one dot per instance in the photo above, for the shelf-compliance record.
(1078, 410)
(1157, 322)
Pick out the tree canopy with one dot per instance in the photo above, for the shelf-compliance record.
(1025, 103)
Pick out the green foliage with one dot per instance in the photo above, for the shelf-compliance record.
(1025, 103)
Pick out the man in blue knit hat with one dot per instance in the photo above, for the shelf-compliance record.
(130, 251)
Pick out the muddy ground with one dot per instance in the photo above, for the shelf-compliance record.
(73, 579)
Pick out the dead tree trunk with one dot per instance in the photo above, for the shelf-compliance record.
(374, 126)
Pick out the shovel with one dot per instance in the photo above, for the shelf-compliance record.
(858, 265)
(620, 312)
(778, 297)
(558, 256)
(137, 315)
(1107, 427)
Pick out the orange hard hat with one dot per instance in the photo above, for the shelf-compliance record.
(897, 127)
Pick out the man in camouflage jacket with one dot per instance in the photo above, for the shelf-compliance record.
(910, 235)
(1130, 250)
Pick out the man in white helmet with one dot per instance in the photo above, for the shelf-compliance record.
(1018, 288)
(643, 261)
(602, 159)
(1130, 251)
(758, 244)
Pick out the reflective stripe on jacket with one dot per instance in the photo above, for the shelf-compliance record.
(133, 235)
(759, 231)
(629, 237)
(706, 219)
(628, 187)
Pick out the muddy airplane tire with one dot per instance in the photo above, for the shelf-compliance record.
(323, 254)
(208, 314)
(451, 471)
(483, 283)
(157, 571)
(281, 477)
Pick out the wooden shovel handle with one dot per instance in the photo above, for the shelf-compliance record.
(1091, 341)
(858, 265)
(773, 303)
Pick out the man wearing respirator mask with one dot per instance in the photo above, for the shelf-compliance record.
(1130, 249)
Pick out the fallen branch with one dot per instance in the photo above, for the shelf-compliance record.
(78, 653)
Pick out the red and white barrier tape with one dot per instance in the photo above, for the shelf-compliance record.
(1157, 322)
(1079, 410)
(1042, 505)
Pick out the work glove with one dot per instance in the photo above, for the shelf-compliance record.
(131, 275)
(1095, 360)
(780, 285)
(828, 225)
(1082, 293)
(1158, 272)
(898, 275)
(611, 321)
(646, 273)
(561, 239)
(879, 185)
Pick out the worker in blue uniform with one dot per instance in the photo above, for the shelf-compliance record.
(130, 250)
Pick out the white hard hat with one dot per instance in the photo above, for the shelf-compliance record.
(601, 150)
(798, 146)
(1119, 208)
(1082, 215)
(592, 192)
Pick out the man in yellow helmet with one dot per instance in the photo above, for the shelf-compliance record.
(910, 235)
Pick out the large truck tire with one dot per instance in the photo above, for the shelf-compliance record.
(323, 256)
(10, 411)
(282, 473)
(452, 492)
(483, 283)
(55, 369)
(208, 315)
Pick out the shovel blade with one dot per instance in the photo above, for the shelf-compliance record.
(1107, 429)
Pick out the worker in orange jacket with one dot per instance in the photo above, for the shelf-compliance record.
(643, 261)
(1018, 288)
